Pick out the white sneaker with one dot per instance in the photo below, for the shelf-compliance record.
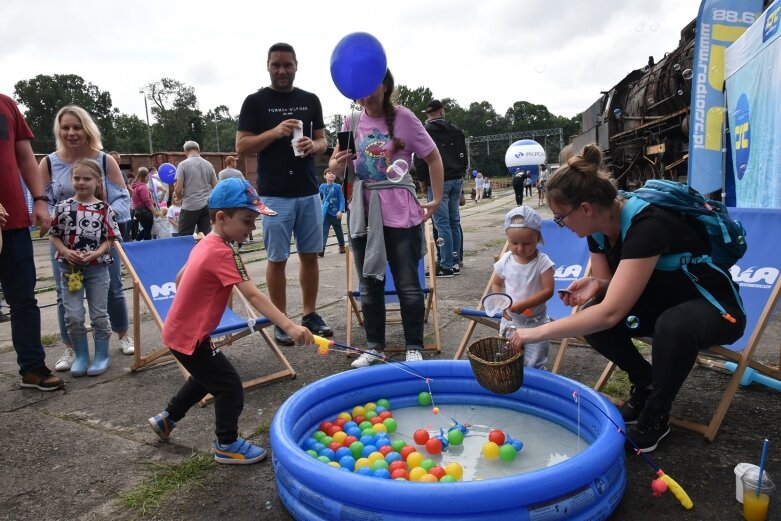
(126, 345)
(368, 358)
(65, 361)
(413, 355)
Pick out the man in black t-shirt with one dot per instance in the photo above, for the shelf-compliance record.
(268, 122)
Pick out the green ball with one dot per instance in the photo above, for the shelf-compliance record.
(424, 398)
(398, 445)
(507, 452)
(368, 432)
(324, 459)
(428, 464)
(447, 478)
(382, 402)
(356, 448)
(390, 424)
(380, 464)
(312, 453)
(455, 437)
(365, 425)
(318, 435)
(369, 415)
(326, 440)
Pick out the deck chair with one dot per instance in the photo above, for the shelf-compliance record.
(569, 254)
(427, 282)
(760, 285)
(153, 266)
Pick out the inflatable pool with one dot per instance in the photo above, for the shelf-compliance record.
(587, 486)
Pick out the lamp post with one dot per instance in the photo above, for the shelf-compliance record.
(148, 127)
(217, 135)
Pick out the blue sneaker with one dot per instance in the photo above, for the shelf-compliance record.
(240, 452)
(162, 425)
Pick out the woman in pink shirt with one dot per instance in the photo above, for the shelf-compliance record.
(142, 202)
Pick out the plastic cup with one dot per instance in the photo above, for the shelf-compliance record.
(755, 506)
(298, 133)
(741, 469)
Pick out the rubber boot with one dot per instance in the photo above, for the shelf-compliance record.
(102, 358)
(81, 348)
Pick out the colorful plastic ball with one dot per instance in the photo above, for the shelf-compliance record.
(334, 464)
(324, 426)
(356, 448)
(324, 459)
(406, 451)
(341, 452)
(385, 450)
(340, 422)
(370, 406)
(428, 464)
(400, 474)
(328, 453)
(349, 425)
(382, 441)
(368, 431)
(359, 419)
(428, 478)
(455, 437)
(447, 479)
(507, 452)
(339, 437)
(416, 473)
(375, 420)
(346, 416)
(395, 465)
(390, 424)
(334, 446)
(347, 462)
(370, 414)
(420, 436)
(358, 411)
(380, 409)
(496, 436)
(368, 449)
(435, 410)
(386, 414)
(382, 474)
(367, 439)
(415, 459)
(424, 398)
(333, 429)
(437, 471)
(365, 424)
(392, 457)
(454, 470)
(398, 444)
(379, 464)
(318, 447)
(308, 443)
(374, 456)
(382, 402)
(434, 446)
(490, 450)
(362, 462)
(349, 440)
(326, 440)
(312, 453)
(364, 471)
(517, 445)
(380, 427)
(318, 435)
(354, 431)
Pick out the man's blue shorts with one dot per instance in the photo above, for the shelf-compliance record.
(299, 216)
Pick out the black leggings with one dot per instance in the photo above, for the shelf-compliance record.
(145, 219)
(679, 333)
(210, 373)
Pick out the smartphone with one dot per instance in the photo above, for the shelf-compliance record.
(564, 292)
(346, 141)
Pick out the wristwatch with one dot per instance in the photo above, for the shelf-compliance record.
(41, 198)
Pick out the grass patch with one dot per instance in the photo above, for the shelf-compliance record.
(495, 242)
(619, 384)
(49, 340)
(263, 429)
(165, 480)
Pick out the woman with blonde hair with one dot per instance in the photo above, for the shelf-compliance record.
(78, 137)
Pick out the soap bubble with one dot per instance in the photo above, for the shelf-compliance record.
(397, 170)
(632, 322)
(645, 69)
(654, 26)
(687, 74)
(676, 67)
(461, 154)
(680, 93)
(743, 168)
(540, 67)
(440, 242)
(617, 113)
(650, 101)
(489, 123)
(640, 27)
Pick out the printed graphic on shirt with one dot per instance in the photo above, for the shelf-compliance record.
(239, 264)
(371, 162)
(83, 227)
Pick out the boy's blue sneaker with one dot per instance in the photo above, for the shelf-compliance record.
(240, 452)
(162, 425)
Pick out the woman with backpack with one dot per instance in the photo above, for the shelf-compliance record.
(630, 294)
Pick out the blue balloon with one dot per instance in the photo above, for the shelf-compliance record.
(358, 65)
(167, 173)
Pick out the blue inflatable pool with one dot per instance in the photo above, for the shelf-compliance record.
(587, 486)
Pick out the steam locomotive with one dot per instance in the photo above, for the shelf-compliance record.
(642, 123)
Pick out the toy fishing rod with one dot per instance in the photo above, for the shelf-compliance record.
(663, 482)
(324, 345)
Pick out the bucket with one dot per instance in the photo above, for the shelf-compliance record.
(496, 367)
(740, 469)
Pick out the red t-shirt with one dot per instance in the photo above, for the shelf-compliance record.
(202, 294)
(13, 128)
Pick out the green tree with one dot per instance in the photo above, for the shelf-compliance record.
(219, 128)
(175, 108)
(414, 99)
(44, 95)
(131, 134)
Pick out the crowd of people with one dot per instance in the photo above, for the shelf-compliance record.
(85, 204)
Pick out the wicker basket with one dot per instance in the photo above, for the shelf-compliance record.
(496, 367)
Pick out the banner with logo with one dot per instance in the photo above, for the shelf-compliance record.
(753, 71)
(719, 23)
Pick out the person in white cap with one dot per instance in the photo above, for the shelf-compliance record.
(526, 275)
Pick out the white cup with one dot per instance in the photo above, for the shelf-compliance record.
(298, 133)
(741, 469)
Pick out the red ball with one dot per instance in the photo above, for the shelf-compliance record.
(434, 446)
(359, 419)
(385, 415)
(333, 429)
(497, 437)
(375, 420)
(406, 451)
(325, 426)
(437, 471)
(397, 465)
(385, 449)
(340, 422)
(400, 473)
(335, 445)
(420, 436)
(349, 440)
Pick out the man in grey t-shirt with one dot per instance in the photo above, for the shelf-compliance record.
(230, 169)
(195, 178)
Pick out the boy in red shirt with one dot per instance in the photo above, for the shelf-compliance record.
(212, 270)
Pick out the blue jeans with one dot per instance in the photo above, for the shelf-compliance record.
(534, 354)
(447, 220)
(17, 278)
(299, 216)
(95, 285)
(329, 222)
(117, 307)
(402, 248)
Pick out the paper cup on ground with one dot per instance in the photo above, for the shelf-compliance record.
(298, 133)
(740, 469)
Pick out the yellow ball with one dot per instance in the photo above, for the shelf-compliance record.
(415, 459)
(374, 456)
(455, 469)
(379, 427)
(490, 450)
(417, 474)
(339, 436)
(362, 462)
(334, 464)
(345, 416)
(358, 411)
(429, 478)
(370, 406)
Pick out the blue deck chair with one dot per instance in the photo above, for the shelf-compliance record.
(570, 256)
(757, 273)
(427, 282)
(153, 266)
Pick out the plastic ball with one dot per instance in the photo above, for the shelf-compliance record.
(359, 419)
(346, 416)
(390, 424)
(507, 452)
(334, 446)
(420, 436)
(406, 451)
(318, 435)
(339, 437)
(318, 447)
(417, 473)
(435, 410)
(326, 440)
(375, 420)
(370, 414)
(333, 429)
(379, 464)
(365, 424)
(328, 453)
(382, 402)
(456, 437)
(341, 452)
(400, 474)
(394, 457)
(428, 478)
(454, 470)
(362, 462)
(517, 445)
(447, 479)
(349, 425)
(415, 459)
(424, 398)
(355, 432)
(496, 436)
(490, 450)
(398, 445)
(356, 448)
(428, 464)
(382, 474)
(349, 440)
(312, 453)
(347, 462)
(382, 441)
(380, 427)
(308, 443)
(358, 411)
(395, 465)
(386, 414)
(324, 426)
(368, 449)
(364, 471)
(370, 406)
(385, 450)
(368, 432)
(438, 472)
(324, 459)
(434, 446)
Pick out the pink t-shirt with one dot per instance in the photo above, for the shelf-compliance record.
(212, 270)
(400, 209)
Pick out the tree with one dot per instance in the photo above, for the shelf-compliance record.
(175, 108)
(220, 130)
(131, 134)
(414, 99)
(43, 96)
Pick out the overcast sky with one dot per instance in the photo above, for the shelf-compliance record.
(558, 53)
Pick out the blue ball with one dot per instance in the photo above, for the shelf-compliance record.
(382, 473)
(368, 449)
(382, 442)
(354, 431)
(317, 447)
(367, 440)
(365, 471)
(347, 462)
(309, 443)
(392, 456)
(342, 452)
(349, 425)
(328, 453)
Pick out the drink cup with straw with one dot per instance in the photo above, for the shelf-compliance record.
(757, 489)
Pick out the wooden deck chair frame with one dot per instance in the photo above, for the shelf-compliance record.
(392, 312)
(743, 358)
(162, 354)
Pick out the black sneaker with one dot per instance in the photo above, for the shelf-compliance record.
(649, 430)
(444, 273)
(315, 323)
(635, 404)
(282, 338)
(456, 269)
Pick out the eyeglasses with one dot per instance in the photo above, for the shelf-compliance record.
(559, 219)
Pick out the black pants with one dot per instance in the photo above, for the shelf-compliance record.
(679, 333)
(518, 189)
(145, 218)
(210, 373)
(189, 219)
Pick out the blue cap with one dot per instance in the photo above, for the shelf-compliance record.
(234, 192)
